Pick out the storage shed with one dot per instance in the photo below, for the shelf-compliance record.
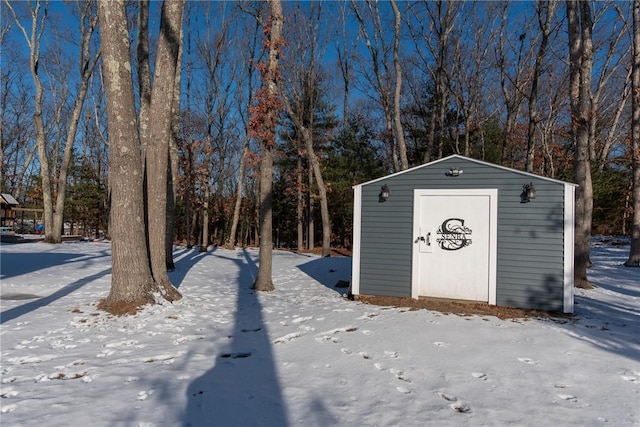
(7, 206)
(460, 228)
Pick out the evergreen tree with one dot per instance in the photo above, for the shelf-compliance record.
(355, 157)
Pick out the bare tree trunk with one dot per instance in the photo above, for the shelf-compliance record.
(311, 232)
(512, 86)
(160, 129)
(172, 182)
(580, 57)
(132, 284)
(54, 191)
(187, 198)
(264, 279)
(205, 218)
(345, 57)
(317, 174)
(238, 201)
(431, 138)
(300, 204)
(322, 190)
(144, 74)
(399, 132)
(613, 135)
(545, 11)
(634, 251)
(245, 153)
(381, 79)
(38, 15)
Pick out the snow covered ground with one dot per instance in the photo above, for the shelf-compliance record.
(302, 355)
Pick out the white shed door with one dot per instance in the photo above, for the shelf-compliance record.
(453, 244)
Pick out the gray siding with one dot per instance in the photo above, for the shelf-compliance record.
(530, 258)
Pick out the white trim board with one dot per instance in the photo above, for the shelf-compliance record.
(357, 235)
(569, 236)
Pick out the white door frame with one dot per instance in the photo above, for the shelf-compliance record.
(493, 233)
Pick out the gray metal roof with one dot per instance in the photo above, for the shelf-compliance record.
(458, 156)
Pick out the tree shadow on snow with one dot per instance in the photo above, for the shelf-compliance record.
(609, 320)
(14, 264)
(16, 312)
(242, 388)
(184, 260)
(329, 271)
(607, 325)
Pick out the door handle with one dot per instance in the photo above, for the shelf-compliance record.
(428, 239)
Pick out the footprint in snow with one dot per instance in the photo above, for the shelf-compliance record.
(143, 395)
(400, 375)
(59, 345)
(251, 330)
(287, 338)
(166, 359)
(117, 344)
(325, 338)
(440, 344)
(630, 376)
(403, 390)
(391, 354)
(460, 407)
(446, 396)
(187, 338)
(330, 335)
(105, 353)
(8, 393)
(237, 355)
(527, 360)
(368, 316)
(337, 330)
(457, 405)
(568, 397)
(31, 359)
(8, 408)
(480, 375)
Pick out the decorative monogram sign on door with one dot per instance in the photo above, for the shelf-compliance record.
(453, 235)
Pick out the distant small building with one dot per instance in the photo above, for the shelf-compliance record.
(7, 214)
(460, 228)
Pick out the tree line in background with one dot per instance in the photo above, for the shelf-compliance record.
(247, 123)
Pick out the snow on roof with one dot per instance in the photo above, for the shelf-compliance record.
(8, 198)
